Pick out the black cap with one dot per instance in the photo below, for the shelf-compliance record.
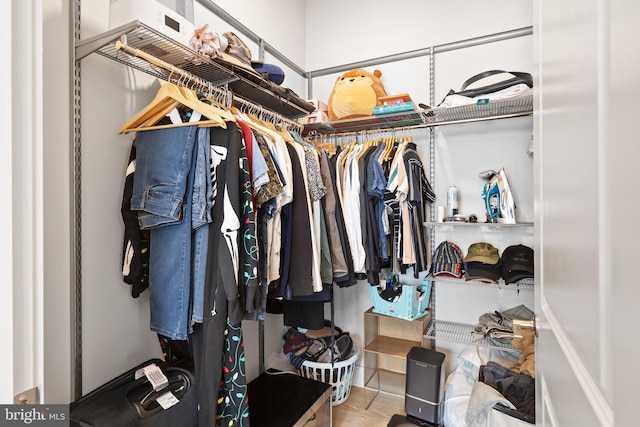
(517, 263)
(482, 271)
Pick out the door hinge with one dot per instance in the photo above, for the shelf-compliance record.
(30, 397)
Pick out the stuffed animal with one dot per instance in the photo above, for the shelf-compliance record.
(355, 94)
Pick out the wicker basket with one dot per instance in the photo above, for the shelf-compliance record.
(340, 375)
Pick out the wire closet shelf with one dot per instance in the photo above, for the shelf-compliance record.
(431, 117)
(141, 47)
(461, 333)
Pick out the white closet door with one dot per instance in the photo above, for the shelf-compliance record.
(586, 156)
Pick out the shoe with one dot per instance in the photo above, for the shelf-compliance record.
(341, 350)
(316, 349)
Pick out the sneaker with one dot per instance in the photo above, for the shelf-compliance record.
(341, 350)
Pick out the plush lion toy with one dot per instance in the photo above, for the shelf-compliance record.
(355, 94)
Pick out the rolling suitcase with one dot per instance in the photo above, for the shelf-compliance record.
(130, 400)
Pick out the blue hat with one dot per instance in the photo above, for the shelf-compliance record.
(269, 71)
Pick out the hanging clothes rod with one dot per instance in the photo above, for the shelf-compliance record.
(222, 95)
(184, 78)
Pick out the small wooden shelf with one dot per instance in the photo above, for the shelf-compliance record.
(390, 346)
(385, 381)
(386, 344)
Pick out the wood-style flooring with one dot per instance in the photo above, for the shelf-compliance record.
(351, 413)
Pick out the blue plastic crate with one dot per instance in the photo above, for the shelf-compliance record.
(412, 304)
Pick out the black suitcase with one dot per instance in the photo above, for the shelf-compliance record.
(127, 402)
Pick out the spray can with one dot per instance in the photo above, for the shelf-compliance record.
(452, 200)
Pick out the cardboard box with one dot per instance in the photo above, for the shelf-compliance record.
(320, 106)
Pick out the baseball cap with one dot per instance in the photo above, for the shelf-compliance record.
(482, 252)
(269, 71)
(517, 263)
(447, 260)
(483, 272)
(237, 53)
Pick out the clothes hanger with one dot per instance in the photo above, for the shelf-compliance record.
(170, 96)
(216, 106)
(266, 115)
(162, 101)
(163, 112)
(297, 138)
(348, 148)
(166, 95)
(330, 147)
(253, 119)
(364, 148)
(388, 148)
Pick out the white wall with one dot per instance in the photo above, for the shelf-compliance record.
(345, 31)
(278, 22)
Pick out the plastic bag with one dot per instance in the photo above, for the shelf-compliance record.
(208, 42)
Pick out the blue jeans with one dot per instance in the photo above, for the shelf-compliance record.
(200, 219)
(171, 191)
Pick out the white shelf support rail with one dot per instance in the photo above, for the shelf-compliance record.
(427, 51)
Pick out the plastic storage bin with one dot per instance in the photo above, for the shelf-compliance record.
(412, 303)
(339, 375)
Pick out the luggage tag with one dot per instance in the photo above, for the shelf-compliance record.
(155, 376)
(167, 400)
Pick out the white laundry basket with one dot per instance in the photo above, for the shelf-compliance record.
(340, 375)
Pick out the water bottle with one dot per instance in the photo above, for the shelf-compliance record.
(452, 200)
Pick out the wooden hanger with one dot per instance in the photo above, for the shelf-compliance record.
(162, 112)
(168, 97)
(364, 148)
(350, 148)
(331, 148)
(391, 144)
(188, 93)
(223, 112)
(263, 126)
